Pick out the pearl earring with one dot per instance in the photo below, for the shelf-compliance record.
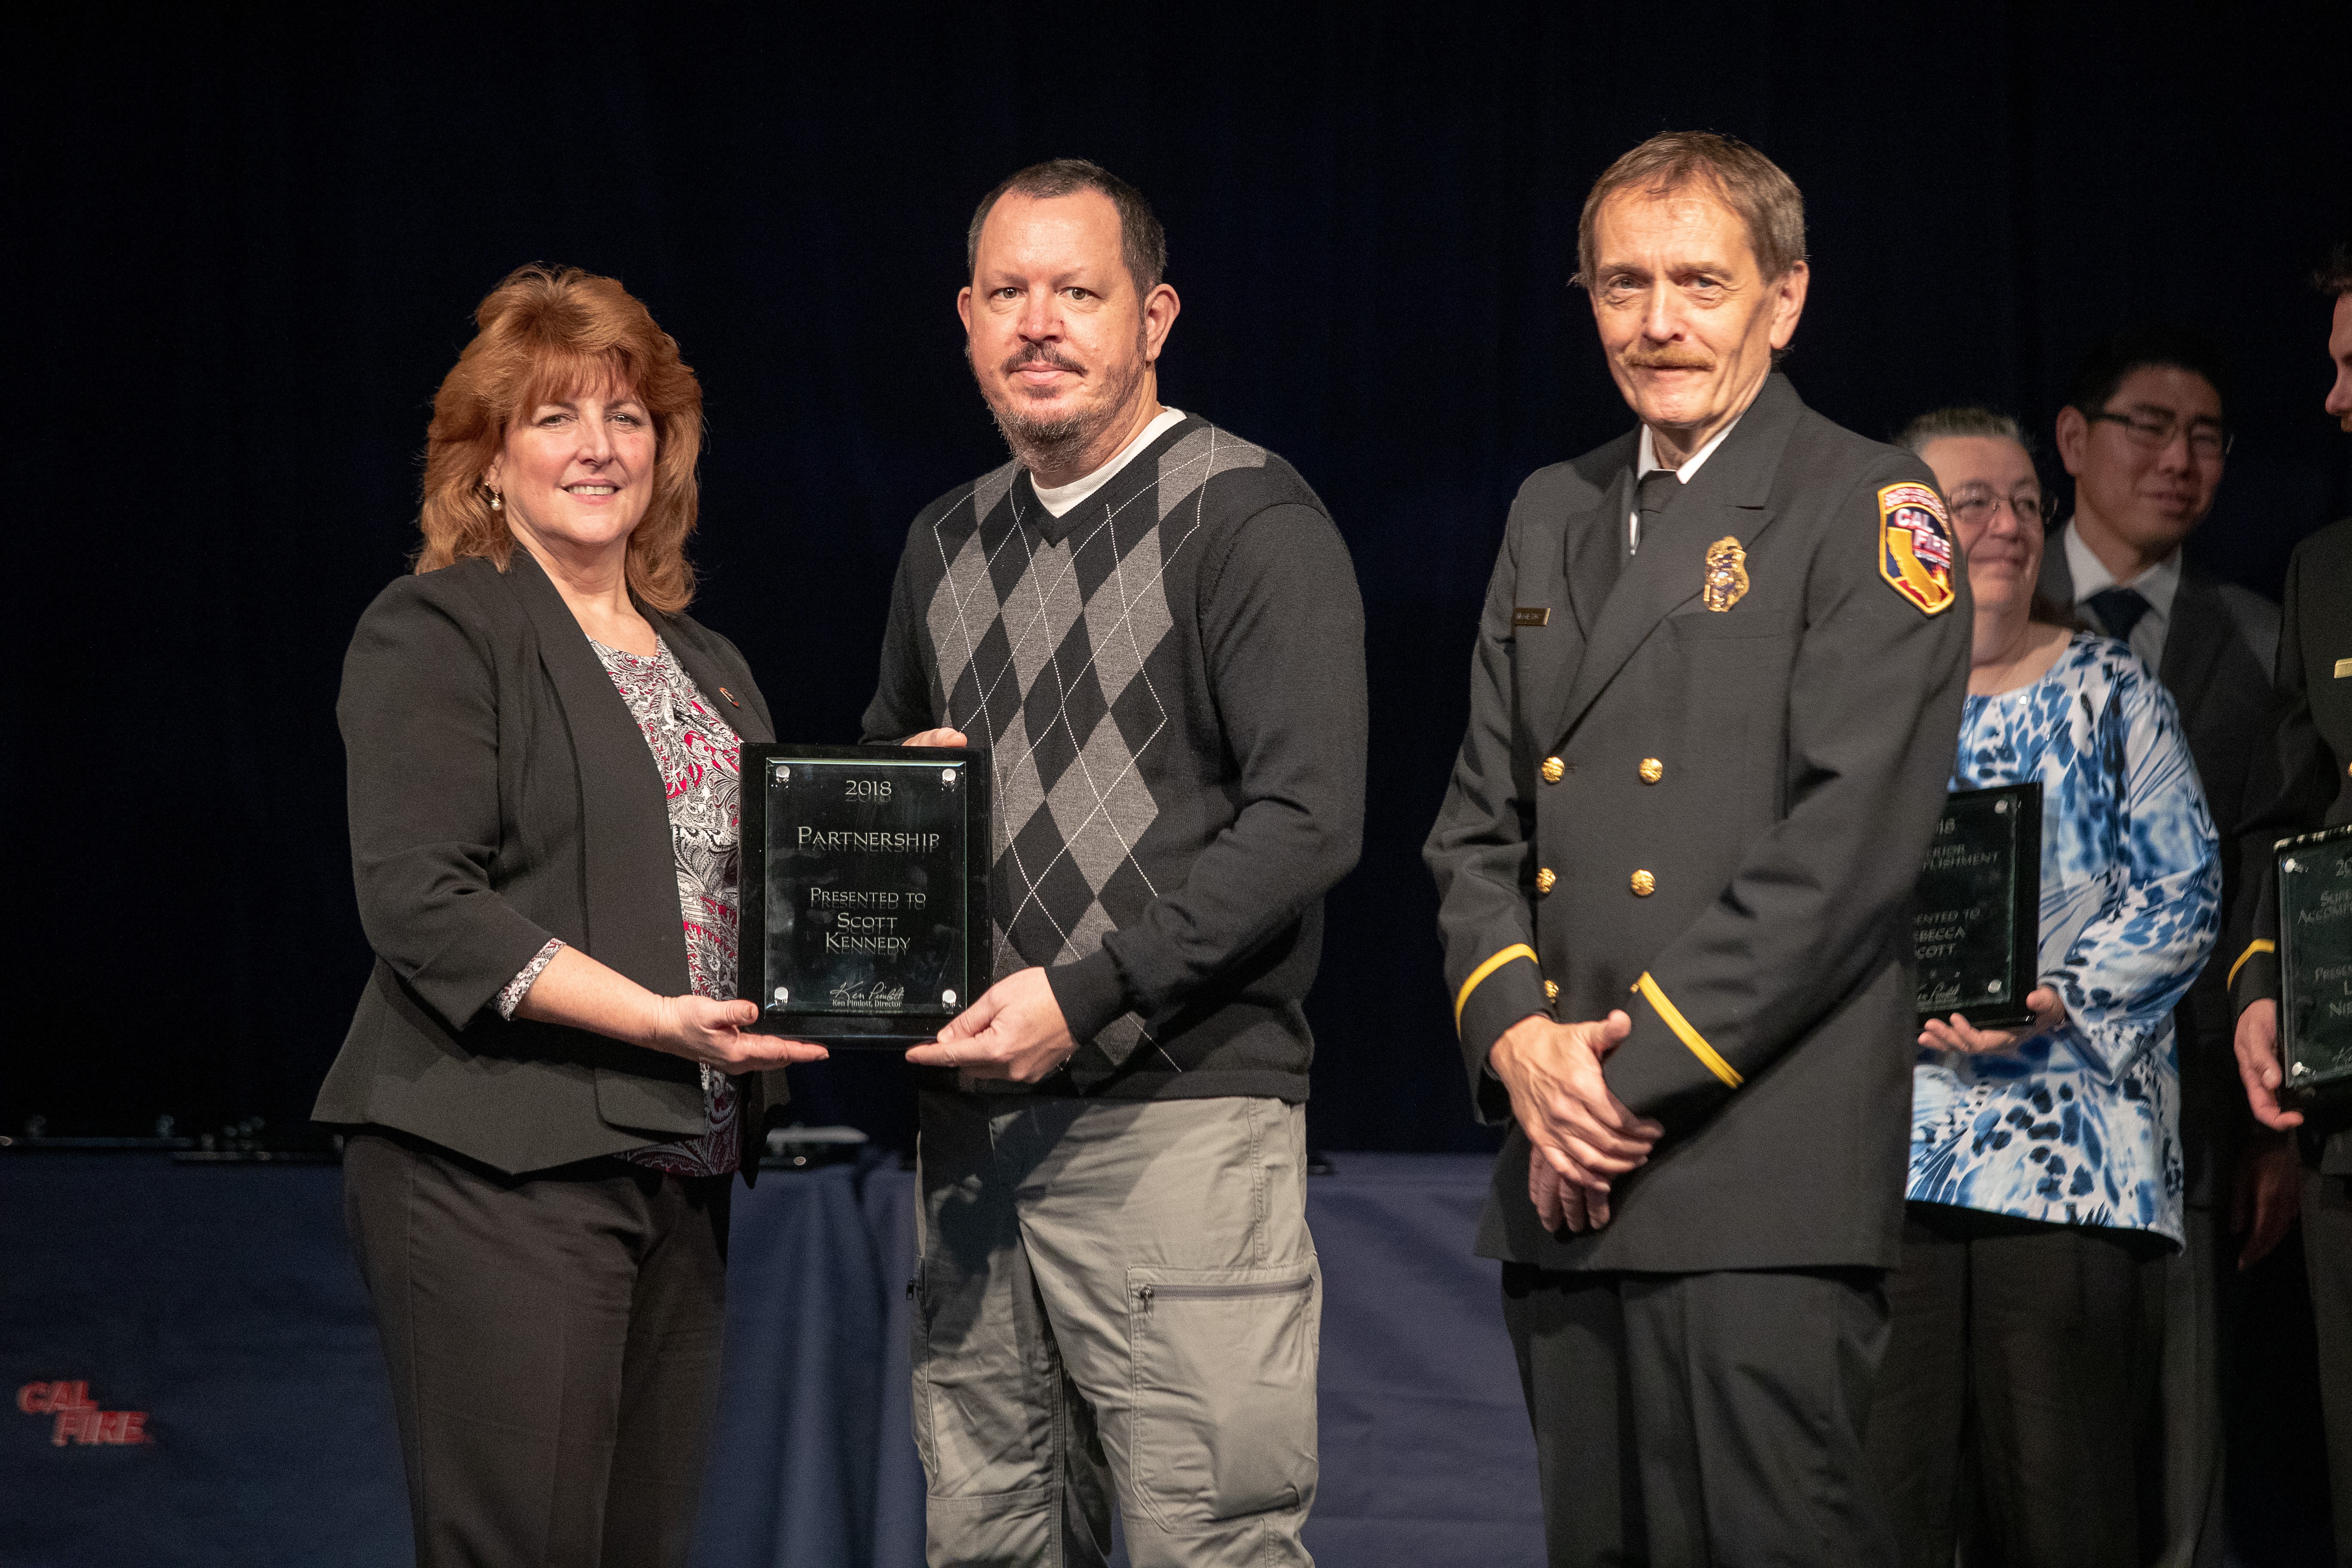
(497, 504)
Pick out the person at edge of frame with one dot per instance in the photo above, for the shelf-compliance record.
(1712, 704)
(1154, 628)
(2312, 756)
(2144, 434)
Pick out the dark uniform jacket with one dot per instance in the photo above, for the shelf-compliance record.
(500, 794)
(1713, 819)
(2308, 769)
(2220, 643)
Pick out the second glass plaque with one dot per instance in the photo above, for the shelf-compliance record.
(865, 890)
(1977, 920)
(2314, 891)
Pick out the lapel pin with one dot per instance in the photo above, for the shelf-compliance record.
(731, 697)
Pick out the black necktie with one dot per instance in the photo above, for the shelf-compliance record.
(1659, 488)
(2118, 609)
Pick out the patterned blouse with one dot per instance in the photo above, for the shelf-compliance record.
(2081, 1126)
(695, 750)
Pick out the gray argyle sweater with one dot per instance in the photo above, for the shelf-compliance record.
(1170, 680)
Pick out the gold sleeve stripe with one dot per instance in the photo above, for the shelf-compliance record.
(1462, 998)
(2260, 945)
(1690, 1037)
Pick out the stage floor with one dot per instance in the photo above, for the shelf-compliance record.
(218, 1305)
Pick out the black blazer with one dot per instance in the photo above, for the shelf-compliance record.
(501, 793)
(2306, 778)
(2220, 643)
(1725, 810)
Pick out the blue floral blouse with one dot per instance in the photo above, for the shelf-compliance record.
(2081, 1126)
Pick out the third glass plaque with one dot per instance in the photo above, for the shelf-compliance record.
(2314, 888)
(865, 890)
(1977, 923)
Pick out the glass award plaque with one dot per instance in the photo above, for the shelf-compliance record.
(865, 891)
(1977, 912)
(2314, 891)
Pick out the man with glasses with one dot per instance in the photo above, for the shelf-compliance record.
(2315, 752)
(2144, 434)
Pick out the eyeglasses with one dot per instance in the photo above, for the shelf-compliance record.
(1973, 506)
(2155, 429)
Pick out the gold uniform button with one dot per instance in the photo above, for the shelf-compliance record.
(1554, 770)
(1543, 880)
(1551, 990)
(1652, 770)
(1643, 884)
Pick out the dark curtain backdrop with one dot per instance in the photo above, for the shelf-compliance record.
(242, 246)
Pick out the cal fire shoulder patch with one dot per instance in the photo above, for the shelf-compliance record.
(1915, 549)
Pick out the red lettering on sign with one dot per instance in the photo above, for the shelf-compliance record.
(79, 1419)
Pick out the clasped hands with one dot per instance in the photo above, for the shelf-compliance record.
(1582, 1137)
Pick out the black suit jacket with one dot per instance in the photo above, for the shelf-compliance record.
(2220, 643)
(2306, 777)
(1802, 741)
(501, 793)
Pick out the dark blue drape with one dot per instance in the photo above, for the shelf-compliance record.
(221, 1304)
(243, 242)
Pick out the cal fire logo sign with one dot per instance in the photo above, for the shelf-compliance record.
(79, 1418)
(1915, 546)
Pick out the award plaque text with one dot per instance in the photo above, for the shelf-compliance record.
(865, 891)
(2314, 887)
(1977, 925)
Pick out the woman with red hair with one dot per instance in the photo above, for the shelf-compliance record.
(548, 1084)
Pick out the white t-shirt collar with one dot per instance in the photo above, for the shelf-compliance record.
(1059, 498)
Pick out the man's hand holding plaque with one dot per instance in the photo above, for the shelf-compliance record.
(1016, 1031)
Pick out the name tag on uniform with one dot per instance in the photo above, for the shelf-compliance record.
(2343, 667)
(1540, 615)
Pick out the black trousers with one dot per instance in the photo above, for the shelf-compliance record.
(553, 1343)
(1690, 1419)
(2017, 1407)
(2327, 1256)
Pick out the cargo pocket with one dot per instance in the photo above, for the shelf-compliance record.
(1223, 1383)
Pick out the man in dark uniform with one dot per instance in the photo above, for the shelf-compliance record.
(1714, 709)
(2144, 436)
(2314, 753)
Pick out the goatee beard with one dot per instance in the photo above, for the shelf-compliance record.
(1050, 444)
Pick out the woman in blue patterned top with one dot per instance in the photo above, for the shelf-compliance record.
(2045, 1160)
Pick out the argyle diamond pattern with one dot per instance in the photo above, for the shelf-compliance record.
(1046, 650)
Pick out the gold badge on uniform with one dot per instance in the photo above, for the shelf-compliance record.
(1726, 574)
(1531, 616)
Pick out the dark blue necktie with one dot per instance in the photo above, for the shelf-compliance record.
(2118, 609)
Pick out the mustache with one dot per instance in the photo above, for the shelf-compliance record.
(1667, 356)
(1046, 354)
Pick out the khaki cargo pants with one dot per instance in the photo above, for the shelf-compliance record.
(1114, 1303)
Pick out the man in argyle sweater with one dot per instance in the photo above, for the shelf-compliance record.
(1154, 627)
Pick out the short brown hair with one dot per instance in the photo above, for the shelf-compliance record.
(549, 332)
(1750, 183)
(2333, 278)
(1142, 243)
